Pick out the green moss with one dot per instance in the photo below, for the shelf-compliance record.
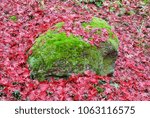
(55, 54)
(146, 1)
(13, 18)
(59, 25)
(97, 23)
(102, 24)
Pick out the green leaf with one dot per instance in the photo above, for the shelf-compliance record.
(13, 18)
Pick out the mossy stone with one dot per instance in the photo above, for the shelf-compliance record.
(109, 48)
(58, 55)
(55, 54)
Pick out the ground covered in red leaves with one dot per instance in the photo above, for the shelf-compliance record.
(131, 23)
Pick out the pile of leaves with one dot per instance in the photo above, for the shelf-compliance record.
(22, 21)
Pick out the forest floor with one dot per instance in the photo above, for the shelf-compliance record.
(24, 20)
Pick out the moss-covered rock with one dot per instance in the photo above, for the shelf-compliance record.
(55, 54)
(109, 48)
